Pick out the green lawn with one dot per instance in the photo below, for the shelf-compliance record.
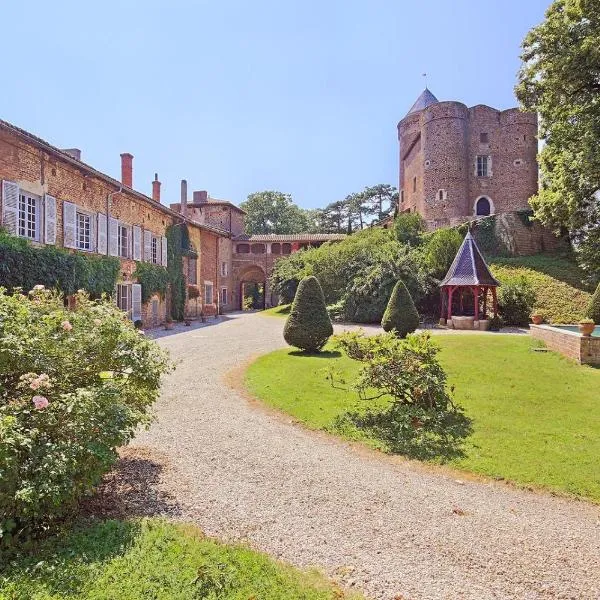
(536, 416)
(152, 559)
(277, 311)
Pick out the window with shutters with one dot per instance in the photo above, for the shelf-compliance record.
(123, 240)
(483, 166)
(208, 292)
(29, 216)
(84, 231)
(124, 298)
(154, 253)
(193, 271)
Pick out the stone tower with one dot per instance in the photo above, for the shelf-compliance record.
(458, 162)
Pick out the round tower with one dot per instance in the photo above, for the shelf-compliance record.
(445, 162)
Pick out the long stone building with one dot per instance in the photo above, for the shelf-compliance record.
(458, 162)
(51, 197)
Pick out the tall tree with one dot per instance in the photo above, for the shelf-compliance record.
(274, 212)
(381, 200)
(357, 210)
(560, 79)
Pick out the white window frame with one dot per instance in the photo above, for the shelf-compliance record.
(155, 250)
(127, 229)
(224, 269)
(208, 285)
(24, 213)
(483, 165)
(224, 298)
(124, 293)
(89, 216)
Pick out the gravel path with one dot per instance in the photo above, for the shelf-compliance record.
(393, 529)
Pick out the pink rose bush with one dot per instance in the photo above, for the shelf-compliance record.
(61, 421)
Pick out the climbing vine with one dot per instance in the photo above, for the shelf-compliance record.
(23, 265)
(178, 246)
(154, 279)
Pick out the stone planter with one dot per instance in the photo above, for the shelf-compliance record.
(169, 325)
(586, 328)
(463, 322)
(537, 319)
(484, 325)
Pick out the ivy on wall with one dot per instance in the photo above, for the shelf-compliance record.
(178, 246)
(154, 279)
(23, 265)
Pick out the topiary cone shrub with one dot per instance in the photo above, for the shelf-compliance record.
(594, 308)
(400, 313)
(308, 326)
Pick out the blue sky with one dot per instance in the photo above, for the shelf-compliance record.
(299, 96)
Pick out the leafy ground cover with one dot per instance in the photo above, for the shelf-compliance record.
(534, 414)
(129, 560)
(562, 295)
(282, 310)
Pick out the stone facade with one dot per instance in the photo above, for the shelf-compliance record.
(583, 349)
(458, 162)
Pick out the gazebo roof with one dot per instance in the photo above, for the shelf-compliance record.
(469, 268)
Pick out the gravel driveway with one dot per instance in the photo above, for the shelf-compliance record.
(393, 529)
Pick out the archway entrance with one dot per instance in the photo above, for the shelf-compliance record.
(483, 207)
(253, 286)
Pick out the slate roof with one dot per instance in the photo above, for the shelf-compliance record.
(469, 267)
(423, 101)
(296, 237)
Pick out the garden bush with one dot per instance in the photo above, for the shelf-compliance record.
(308, 326)
(400, 315)
(439, 251)
(516, 299)
(409, 228)
(421, 419)
(74, 386)
(594, 307)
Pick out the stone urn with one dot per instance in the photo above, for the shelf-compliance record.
(537, 319)
(586, 327)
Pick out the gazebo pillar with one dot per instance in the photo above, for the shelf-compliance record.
(495, 298)
(485, 295)
(476, 297)
(450, 291)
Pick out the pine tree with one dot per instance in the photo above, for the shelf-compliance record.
(308, 326)
(400, 313)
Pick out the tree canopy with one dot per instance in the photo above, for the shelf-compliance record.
(274, 212)
(560, 80)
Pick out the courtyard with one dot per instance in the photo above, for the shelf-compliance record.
(382, 524)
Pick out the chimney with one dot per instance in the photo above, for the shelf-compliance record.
(156, 189)
(201, 196)
(183, 205)
(74, 152)
(127, 169)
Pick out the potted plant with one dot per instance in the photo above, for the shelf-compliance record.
(168, 323)
(537, 318)
(586, 327)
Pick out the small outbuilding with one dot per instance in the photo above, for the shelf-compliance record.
(466, 289)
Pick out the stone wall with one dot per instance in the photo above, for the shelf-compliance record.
(583, 349)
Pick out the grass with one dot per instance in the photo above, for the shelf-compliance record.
(562, 294)
(535, 415)
(278, 311)
(131, 560)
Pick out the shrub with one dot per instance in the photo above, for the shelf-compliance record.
(440, 249)
(154, 279)
(400, 315)
(74, 386)
(409, 228)
(594, 308)
(308, 326)
(515, 301)
(421, 419)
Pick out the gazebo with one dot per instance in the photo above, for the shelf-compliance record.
(465, 289)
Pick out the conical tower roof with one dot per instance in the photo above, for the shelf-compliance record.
(423, 101)
(469, 267)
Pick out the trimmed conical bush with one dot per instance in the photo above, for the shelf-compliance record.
(308, 326)
(400, 313)
(594, 308)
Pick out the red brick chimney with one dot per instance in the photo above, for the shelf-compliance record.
(156, 188)
(127, 169)
(183, 204)
(201, 196)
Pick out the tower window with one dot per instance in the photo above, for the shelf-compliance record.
(483, 166)
(414, 184)
(484, 138)
(483, 207)
(401, 195)
(441, 195)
